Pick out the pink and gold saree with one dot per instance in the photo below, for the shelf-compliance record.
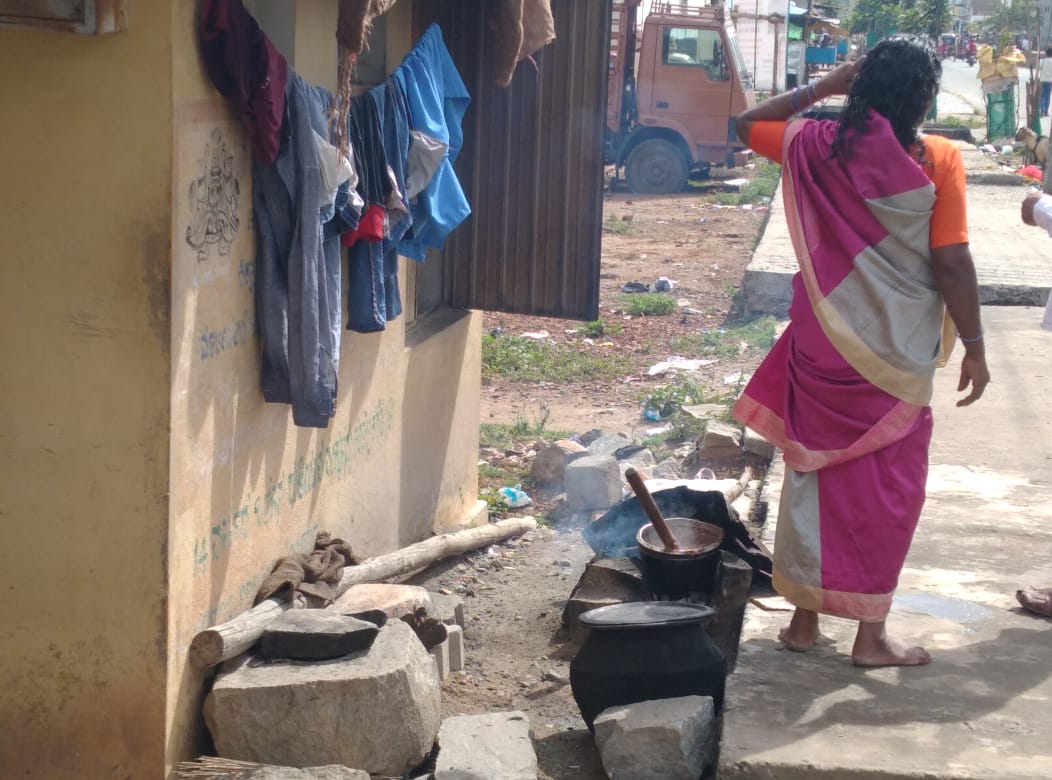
(845, 391)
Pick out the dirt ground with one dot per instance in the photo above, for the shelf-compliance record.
(700, 245)
(517, 653)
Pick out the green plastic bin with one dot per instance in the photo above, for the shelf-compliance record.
(1000, 115)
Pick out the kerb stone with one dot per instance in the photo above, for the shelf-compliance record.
(456, 648)
(377, 710)
(450, 608)
(593, 482)
(486, 747)
(667, 739)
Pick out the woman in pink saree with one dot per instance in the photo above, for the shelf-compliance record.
(877, 218)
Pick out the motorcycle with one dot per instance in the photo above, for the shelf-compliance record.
(971, 60)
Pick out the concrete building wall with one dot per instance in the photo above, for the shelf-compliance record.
(145, 488)
(85, 208)
(247, 487)
(762, 42)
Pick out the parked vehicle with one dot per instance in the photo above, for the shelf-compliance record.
(673, 95)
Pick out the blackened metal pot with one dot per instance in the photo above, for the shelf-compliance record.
(641, 651)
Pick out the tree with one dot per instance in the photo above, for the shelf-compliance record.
(936, 17)
(879, 16)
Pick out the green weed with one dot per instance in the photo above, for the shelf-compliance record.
(668, 399)
(756, 333)
(617, 225)
(597, 328)
(650, 304)
(530, 360)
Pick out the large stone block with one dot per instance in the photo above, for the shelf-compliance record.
(486, 747)
(720, 435)
(607, 443)
(668, 739)
(593, 482)
(550, 463)
(315, 635)
(378, 710)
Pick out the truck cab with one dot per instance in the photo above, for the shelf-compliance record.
(672, 100)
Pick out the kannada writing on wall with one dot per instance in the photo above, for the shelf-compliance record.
(331, 462)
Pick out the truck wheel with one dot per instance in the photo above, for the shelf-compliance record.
(656, 167)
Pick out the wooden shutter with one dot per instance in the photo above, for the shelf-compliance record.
(531, 164)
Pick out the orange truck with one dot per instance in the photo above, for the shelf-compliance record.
(673, 94)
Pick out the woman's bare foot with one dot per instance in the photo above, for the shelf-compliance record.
(873, 647)
(1037, 601)
(802, 631)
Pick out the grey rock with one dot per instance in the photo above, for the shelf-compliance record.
(667, 469)
(550, 463)
(668, 739)
(450, 608)
(721, 436)
(486, 747)
(605, 581)
(641, 459)
(329, 772)
(593, 482)
(705, 411)
(608, 443)
(757, 445)
(315, 635)
(292, 713)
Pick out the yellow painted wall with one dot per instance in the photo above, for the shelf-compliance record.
(247, 486)
(145, 488)
(85, 212)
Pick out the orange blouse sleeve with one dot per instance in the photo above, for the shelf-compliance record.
(766, 138)
(949, 216)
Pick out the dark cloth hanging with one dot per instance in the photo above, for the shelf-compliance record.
(298, 274)
(247, 70)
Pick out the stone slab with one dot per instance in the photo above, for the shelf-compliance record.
(395, 601)
(981, 710)
(486, 747)
(315, 635)
(377, 710)
(666, 739)
(550, 463)
(607, 443)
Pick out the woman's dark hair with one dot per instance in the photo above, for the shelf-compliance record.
(899, 79)
(1048, 51)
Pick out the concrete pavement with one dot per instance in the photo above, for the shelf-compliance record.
(983, 709)
(1013, 261)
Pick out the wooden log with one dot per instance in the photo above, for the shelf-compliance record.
(732, 493)
(220, 643)
(217, 644)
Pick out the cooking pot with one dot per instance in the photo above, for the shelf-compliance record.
(641, 651)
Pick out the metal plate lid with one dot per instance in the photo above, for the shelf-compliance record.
(645, 614)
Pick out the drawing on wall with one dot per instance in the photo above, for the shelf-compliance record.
(214, 196)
